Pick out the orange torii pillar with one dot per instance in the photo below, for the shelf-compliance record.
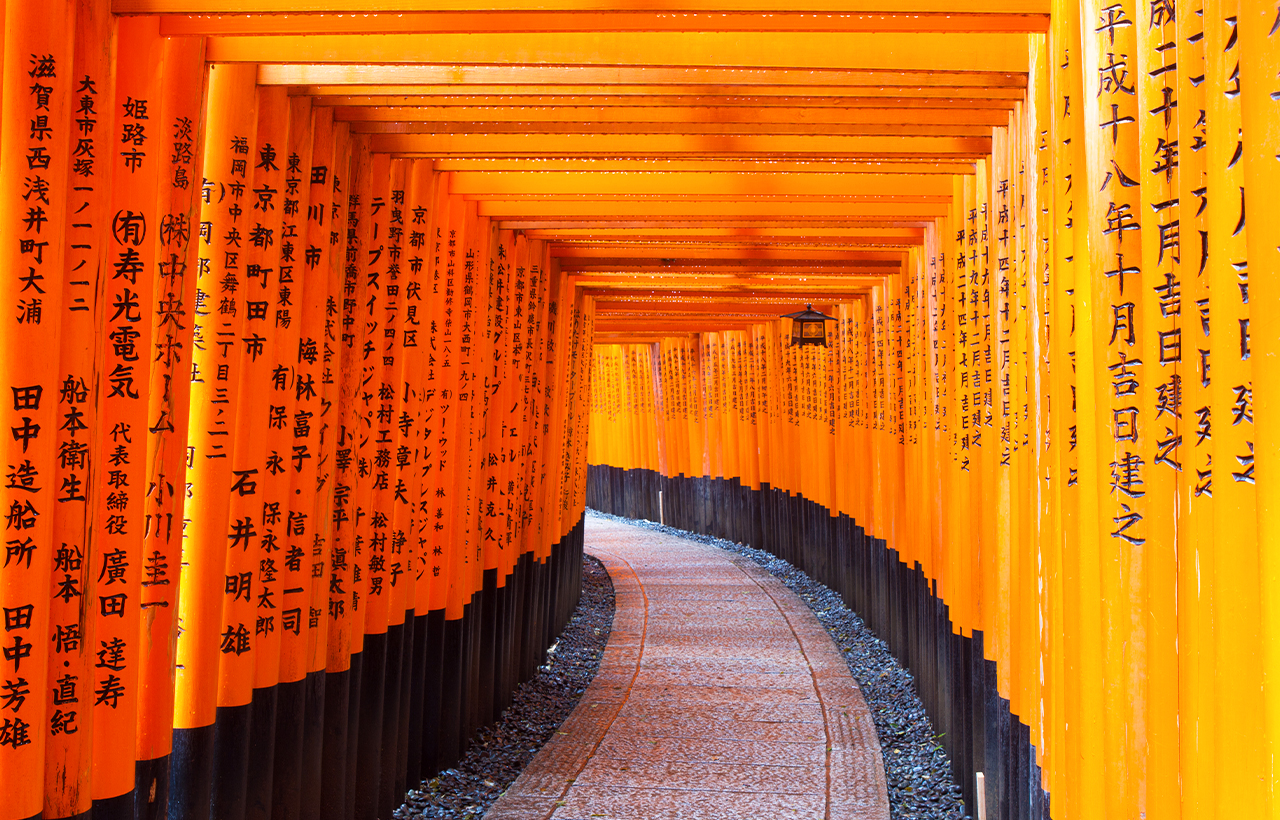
(182, 84)
(68, 759)
(35, 167)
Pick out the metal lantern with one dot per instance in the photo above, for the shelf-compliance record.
(808, 326)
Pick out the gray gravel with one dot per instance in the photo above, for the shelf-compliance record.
(917, 770)
(499, 752)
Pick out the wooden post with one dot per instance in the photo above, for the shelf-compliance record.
(216, 359)
(179, 137)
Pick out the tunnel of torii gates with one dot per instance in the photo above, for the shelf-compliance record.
(306, 314)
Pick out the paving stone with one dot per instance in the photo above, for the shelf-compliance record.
(615, 803)
(676, 749)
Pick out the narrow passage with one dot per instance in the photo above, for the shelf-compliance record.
(719, 696)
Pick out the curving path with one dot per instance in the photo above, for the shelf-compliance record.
(719, 696)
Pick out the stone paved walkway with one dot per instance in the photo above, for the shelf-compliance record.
(719, 696)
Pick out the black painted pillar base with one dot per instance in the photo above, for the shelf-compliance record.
(956, 682)
(348, 745)
(151, 789)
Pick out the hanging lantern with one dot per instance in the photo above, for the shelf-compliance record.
(808, 326)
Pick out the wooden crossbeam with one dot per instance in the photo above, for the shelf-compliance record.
(679, 145)
(808, 51)
(664, 129)
(676, 7)
(308, 65)
(778, 272)
(684, 305)
(633, 117)
(551, 21)
(515, 99)
(791, 167)
(766, 223)
(742, 236)
(674, 184)
(606, 336)
(640, 333)
(722, 255)
(345, 87)
(704, 211)
(737, 283)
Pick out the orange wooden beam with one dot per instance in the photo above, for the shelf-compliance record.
(724, 255)
(535, 184)
(340, 85)
(531, 129)
(767, 223)
(687, 301)
(749, 283)
(311, 66)
(667, 115)
(655, 331)
(437, 22)
(746, 280)
(807, 51)
(860, 237)
(679, 7)
(614, 209)
(637, 337)
(706, 164)
(675, 145)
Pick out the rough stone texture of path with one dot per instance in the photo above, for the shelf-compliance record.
(719, 696)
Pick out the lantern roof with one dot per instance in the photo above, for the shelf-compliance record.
(808, 315)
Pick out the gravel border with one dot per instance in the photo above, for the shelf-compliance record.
(917, 770)
(499, 752)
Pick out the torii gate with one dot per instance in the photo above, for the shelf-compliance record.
(297, 324)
